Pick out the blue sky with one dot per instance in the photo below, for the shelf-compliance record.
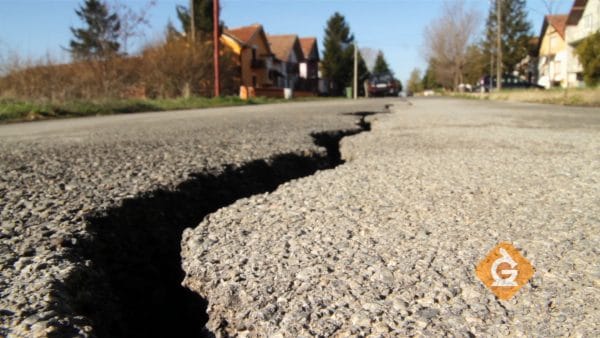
(35, 28)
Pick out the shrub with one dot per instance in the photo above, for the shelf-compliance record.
(170, 68)
(588, 52)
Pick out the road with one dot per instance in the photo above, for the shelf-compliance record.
(92, 209)
(281, 237)
(387, 244)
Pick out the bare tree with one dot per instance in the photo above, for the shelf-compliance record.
(447, 40)
(132, 21)
(3, 59)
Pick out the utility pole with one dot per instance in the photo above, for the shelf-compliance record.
(192, 22)
(491, 70)
(499, 45)
(216, 47)
(355, 71)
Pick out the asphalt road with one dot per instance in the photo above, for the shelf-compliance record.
(92, 209)
(92, 212)
(387, 244)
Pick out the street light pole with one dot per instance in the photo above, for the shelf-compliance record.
(216, 47)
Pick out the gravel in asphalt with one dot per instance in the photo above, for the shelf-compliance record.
(73, 191)
(387, 243)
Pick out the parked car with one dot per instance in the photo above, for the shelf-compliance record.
(383, 85)
(508, 82)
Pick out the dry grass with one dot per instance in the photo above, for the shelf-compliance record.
(169, 74)
(588, 97)
(167, 69)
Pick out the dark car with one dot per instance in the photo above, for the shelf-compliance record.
(508, 82)
(383, 85)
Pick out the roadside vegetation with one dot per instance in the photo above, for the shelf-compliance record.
(12, 110)
(173, 72)
(459, 56)
(584, 97)
(588, 52)
(338, 56)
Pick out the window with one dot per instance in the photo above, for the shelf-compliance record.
(254, 81)
(253, 54)
(588, 22)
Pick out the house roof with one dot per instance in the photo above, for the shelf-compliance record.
(308, 45)
(559, 22)
(576, 12)
(283, 45)
(243, 34)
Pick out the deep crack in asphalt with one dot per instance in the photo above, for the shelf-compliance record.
(131, 286)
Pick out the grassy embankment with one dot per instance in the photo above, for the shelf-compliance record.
(12, 110)
(586, 97)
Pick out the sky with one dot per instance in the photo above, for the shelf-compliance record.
(36, 28)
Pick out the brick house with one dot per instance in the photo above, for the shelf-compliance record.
(309, 67)
(288, 55)
(250, 44)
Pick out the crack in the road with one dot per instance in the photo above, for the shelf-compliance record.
(131, 283)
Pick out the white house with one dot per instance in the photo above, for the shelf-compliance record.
(583, 21)
(553, 52)
(558, 64)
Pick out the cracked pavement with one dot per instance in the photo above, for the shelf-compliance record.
(56, 173)
(387, 243)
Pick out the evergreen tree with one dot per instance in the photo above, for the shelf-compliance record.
(429, 81)
(99, 39)
(338, 55)
(515, 35)
(203, 17)
(381, 65)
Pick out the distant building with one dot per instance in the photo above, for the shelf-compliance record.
(583, 21)
(309, 67)
(553, 51)
(558, 64)
(255, 56)
(288, 55)
(268, 64)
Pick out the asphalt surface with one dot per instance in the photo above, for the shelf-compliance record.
(387, 243)
(88, 204)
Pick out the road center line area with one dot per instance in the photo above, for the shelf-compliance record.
(288, 220)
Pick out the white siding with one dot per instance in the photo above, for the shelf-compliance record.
(589, 23)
